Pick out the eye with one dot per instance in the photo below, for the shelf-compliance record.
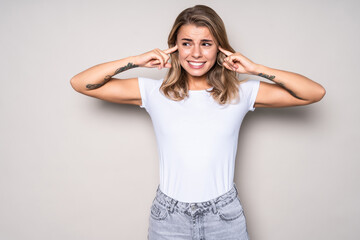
(207, 44)
(186, 44)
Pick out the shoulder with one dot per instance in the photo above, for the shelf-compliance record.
(149, 84)
(249, 85)
(147, 87)
(149, 81)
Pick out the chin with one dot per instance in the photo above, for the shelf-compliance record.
(196, 75)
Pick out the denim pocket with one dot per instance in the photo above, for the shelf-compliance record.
(158, 212)
(231, 211)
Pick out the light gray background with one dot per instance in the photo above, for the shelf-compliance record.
(74, 167)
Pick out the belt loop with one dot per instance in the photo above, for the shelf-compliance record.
(214, 209)
(235, 189)
(172, 205)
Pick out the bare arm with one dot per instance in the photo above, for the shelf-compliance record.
(98, 80)
(290, 89)
(100, 74)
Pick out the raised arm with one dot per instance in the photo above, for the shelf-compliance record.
(98, 80)
(290, 89)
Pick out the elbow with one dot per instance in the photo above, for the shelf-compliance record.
(323, 92)
(319, 95)
(75, 84)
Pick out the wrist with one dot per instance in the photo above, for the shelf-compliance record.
(264, 72)
(134, 60)
(258, 69)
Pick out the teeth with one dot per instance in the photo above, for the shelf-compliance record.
(196, 64)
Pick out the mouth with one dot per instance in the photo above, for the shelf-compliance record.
(196, 65)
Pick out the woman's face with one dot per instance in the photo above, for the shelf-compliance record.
(197, 50)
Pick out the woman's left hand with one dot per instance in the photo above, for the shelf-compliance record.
(238, 63)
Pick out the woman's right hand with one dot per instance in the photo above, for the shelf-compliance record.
(155, 58)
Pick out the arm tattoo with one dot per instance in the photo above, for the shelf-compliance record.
(94, 86)
(127, 67)
(271, 77)
(291, 92)
(108, 77)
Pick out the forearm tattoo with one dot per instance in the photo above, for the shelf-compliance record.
(108, 77)
(270, 77)
(291, 92)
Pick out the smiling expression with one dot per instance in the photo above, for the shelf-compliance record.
(197, 50)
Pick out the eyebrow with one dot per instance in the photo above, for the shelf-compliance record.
(190, 40)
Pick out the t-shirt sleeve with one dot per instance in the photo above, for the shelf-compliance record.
(250, 89)
(147, 86)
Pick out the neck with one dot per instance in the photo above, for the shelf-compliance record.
(197, 83)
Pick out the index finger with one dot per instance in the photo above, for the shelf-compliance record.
(226, 52)
(171, 50)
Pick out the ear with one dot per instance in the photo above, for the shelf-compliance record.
(219, 58)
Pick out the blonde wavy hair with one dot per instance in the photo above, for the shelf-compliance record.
(224, 82)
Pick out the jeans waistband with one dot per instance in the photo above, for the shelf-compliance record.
(192, 208)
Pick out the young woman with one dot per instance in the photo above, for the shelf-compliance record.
(197, 110)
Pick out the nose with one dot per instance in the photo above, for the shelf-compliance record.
(196, 52)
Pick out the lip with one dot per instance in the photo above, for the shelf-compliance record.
(197, 61)
(196, 66)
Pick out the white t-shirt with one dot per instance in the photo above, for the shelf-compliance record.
(197, 139)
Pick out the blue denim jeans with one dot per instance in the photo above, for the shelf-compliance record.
(217, 219)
